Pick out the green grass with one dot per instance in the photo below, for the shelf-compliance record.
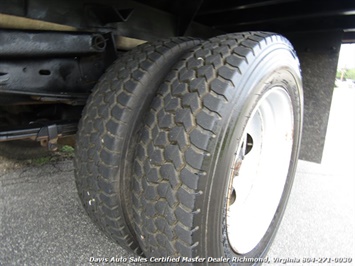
(41, 161)
(67, 149)
(63, 152)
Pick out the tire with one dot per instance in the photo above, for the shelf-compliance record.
(231, 106)
(107, 134)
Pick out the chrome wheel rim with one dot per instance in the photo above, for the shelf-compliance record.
(259, 170)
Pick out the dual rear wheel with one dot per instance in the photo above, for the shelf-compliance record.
(189, 148)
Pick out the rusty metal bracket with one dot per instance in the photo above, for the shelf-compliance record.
(48, 137)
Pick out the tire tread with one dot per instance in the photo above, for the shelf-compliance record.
(199, 87)
(104, 129)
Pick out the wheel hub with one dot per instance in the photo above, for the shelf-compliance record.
(259, 170)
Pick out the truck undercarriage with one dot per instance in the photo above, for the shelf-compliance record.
(58, 58)
(76, 42)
